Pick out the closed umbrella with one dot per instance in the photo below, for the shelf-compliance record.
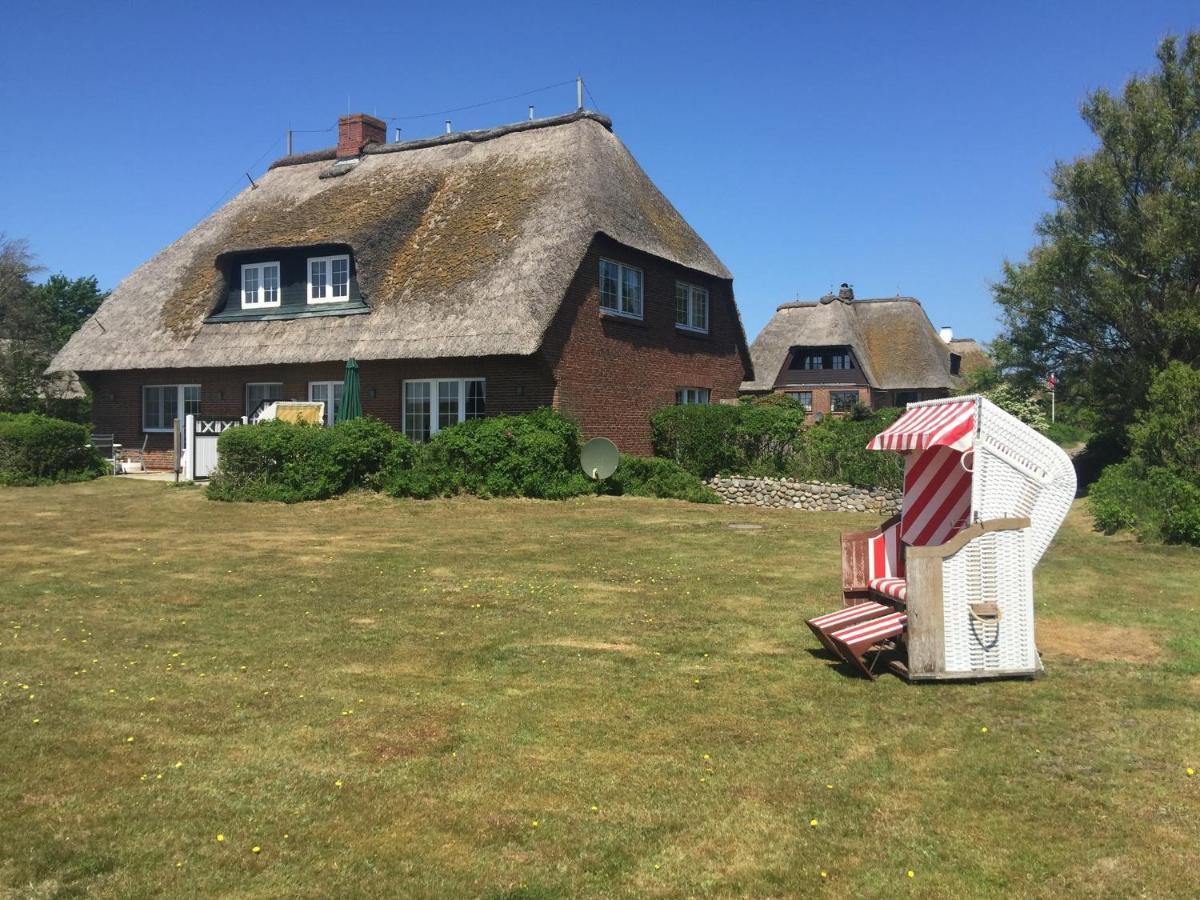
(351, 407)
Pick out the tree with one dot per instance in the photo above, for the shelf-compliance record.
(1111, 293)
(35, 321)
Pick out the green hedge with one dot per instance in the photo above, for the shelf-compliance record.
(652, 476)
(748, 438)
(770, 438)
(835, 449)
(36, 449)
(290, 462)
(1151, 501)
(533, 455)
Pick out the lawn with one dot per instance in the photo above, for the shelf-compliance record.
(602, 697)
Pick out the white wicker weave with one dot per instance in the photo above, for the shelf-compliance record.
(1017, 474)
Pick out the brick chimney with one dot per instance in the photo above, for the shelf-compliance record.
(845, 293)
(357, 130)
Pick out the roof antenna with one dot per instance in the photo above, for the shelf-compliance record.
(579, 92)
(253, 186)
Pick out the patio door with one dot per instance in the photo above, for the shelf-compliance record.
(329, 393)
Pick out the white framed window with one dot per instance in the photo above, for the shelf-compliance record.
(260, 285)
(329, 279)
(259, 392)
(436, 403)
(804, 398)
(162, 404)
(620, 289)
(687, 396)
(329, 393)
(691, 307)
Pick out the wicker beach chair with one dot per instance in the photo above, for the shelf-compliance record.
(984, 495)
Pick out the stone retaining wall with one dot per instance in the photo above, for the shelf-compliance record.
(783, 493)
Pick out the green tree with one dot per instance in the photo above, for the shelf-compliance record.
(35, 321)
(1111, 293)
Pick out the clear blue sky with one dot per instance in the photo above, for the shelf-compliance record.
(901, 147)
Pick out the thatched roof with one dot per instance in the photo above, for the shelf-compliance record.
(974, 357)
(464, 246)
(892, 339)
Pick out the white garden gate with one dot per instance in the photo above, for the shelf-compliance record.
(199, 448)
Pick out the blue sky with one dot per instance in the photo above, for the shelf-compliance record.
(900, 147)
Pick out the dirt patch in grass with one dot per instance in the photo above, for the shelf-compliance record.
(1098, 643)
(609, 646)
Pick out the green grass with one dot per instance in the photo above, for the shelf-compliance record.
(384, 696)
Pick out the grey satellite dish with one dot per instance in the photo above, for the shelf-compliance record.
(599, 458)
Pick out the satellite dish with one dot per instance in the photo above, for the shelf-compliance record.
(599, 458)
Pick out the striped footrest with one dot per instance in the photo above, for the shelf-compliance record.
(852, 643)
(824, 626)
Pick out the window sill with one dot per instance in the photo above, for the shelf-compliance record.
(627, 318)
(689, 331)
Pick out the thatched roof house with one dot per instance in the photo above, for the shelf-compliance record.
(473, 246)
(839, 350)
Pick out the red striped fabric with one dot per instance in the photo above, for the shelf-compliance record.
(937, 498)
(885, 559)
(876, 629)
(849, 614)
(897, 588)
(941, 424)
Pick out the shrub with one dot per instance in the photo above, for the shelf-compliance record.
(1167, 431)
(700, 437)
(1152, 501)
(36, 449)
(295, 462)
(1016, 402)
(748, 438)
(835, 449)
(534, 455)
(652, 476)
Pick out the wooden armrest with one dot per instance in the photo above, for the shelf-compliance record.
(964, 537)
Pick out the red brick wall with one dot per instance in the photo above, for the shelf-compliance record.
(873, 398)
(514, 384)
(614, 372)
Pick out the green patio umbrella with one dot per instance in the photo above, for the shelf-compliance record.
(351, 407)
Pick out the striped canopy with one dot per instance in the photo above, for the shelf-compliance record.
(937, 425)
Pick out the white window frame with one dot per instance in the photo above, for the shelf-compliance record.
(331, 404)
(619, 309)
(260, 301)
(252, 384)
(795, 395)
(694, 294)
(693, 396)
(435, 423)
(328, 261)
(180, 396)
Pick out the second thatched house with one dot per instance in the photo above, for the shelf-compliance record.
(469, 274)
(839, 351)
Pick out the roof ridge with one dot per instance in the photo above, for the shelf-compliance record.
(476, 136)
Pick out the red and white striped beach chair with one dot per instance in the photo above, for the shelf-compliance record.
(983, 496)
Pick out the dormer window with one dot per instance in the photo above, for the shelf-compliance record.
(329, 279)
(822, 358)
(260, 285)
